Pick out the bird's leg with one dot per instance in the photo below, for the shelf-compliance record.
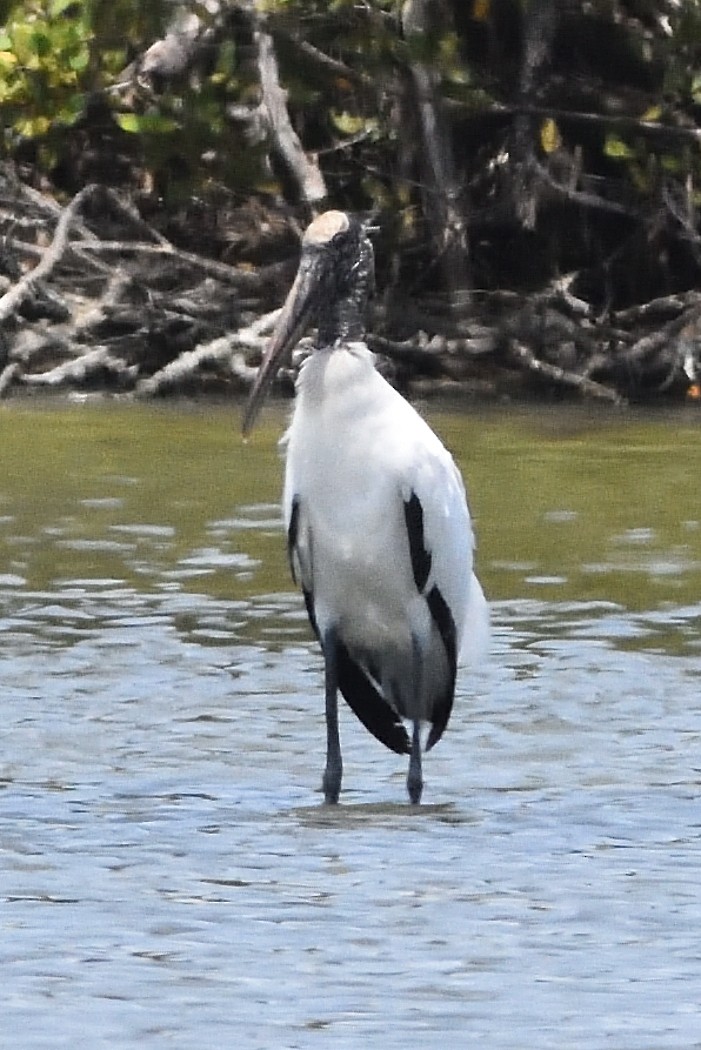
(334, 764)
(415, 780)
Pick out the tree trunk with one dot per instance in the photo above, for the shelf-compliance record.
(440, 185)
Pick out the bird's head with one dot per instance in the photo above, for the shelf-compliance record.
(333, 284)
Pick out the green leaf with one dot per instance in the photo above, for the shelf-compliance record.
(80, 61)
(549, 136)
(617, 149)
(348, 123)
(696, 88)
(128, 122)
(33, 127)
(146, 123)
(7, 62)
(57, 7)
(40, 42)
(71, 111)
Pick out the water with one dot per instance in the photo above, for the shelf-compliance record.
(168, 876)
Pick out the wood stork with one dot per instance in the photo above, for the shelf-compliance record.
(378, 530)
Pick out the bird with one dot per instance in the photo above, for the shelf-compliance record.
(379, 535)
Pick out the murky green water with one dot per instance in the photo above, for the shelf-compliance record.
(168, 877)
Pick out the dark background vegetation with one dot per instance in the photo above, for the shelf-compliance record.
(532, 167)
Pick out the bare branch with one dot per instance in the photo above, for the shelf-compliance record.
(229, 274)
(305, 171)
(650, 129)
(334, 65)
(172, 55)
(127, 209)
(657, 309)
(442, 196)
(93, 362)
(435, 355)
(12, 299)
(682, 327)
(8, 376)
(561, 376)
(217, 352)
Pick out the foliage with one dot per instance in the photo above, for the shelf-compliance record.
(45, 52)
(599, 120)
(57, 54)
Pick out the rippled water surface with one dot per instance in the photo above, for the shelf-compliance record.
(168, 876)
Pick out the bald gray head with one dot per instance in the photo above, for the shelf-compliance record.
(334, 281)
(337, 273)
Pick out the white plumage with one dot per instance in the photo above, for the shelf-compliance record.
(379, 532)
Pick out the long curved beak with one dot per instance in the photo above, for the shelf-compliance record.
(294, 318)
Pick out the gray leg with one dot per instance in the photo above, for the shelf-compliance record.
(414, 780)
(334, 765)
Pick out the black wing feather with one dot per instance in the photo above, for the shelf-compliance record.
(440, 613)
(292, 533)
(443, 619)
(420, 556)
(309, 605)
(368, 704)
(357, 687)
(362, 696)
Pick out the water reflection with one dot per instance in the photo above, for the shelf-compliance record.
(168, 876)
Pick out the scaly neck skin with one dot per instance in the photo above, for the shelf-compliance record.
(341, 322)
(341, 313)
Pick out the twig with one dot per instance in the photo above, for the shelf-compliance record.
(114, 291)
(8, 375)
(78, 370)
(218, 351)
(175, 52)
(230, 274)
(24, 247)
(334, 65)
(648, 128)
(35, 252)
(656, 309)
(559, 375)
(184, 367)
(433, 353)
(52, 208)
(11, 300)
(582, 197)
(127, 209)
(305, 172)
(661, 338)
(442, 187)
